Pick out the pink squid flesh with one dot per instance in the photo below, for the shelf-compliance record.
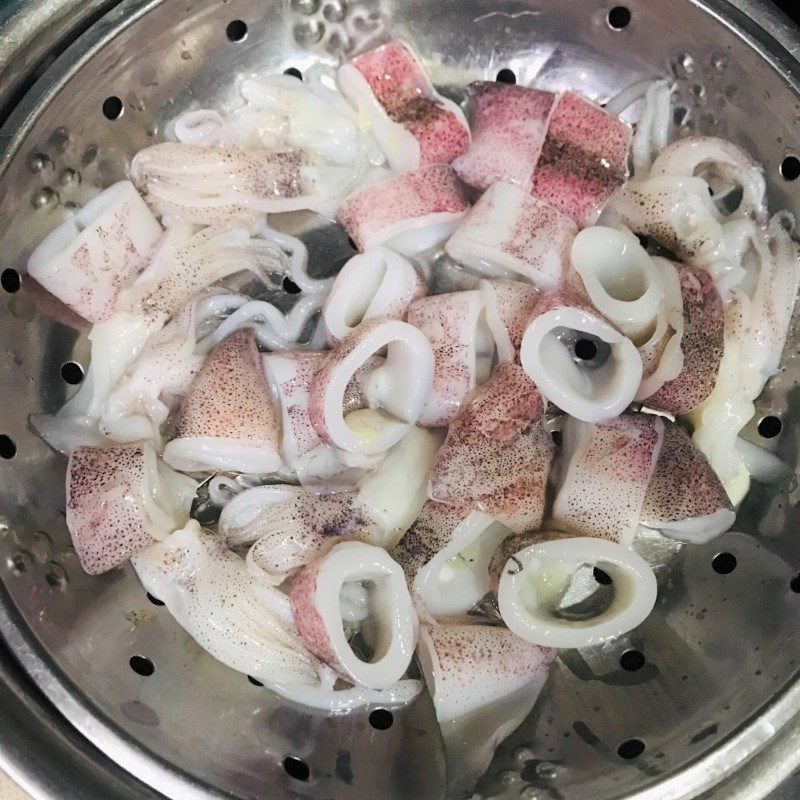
(584, 158)
(119, 502)
(399, 84)
(509, 125)
(685, 499)
(508, 231)
(497, 454)
(228, 421)
(508, 307)
(701, 343)
(605, 473)
(387, 612)
(409, 213)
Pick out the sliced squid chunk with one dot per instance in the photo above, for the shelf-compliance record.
(463, 350)
(409, 213)
(120, 501)
(534, 578)
(388, 622)
(509, 232)
(605, 472)
(584, 158)
(484, 681)
(227, 420)
(592, 382)
(373, 284)
(413, 124)
(396, 390)
(620, 278)
(508, 306)
(91, 257)
(509, 124)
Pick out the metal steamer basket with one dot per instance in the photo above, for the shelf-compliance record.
(705, 693)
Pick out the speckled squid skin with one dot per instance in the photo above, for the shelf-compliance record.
(430, 533)
(296, 531)
(683, 486)
(509, 125)
(563, 298)
(399, 83)
(230, 398)
(105, 505)
(583, 159)
(515, 303)
(702, 344)
(497, 454)
(450, 322)
(476, 665)
(603, 493)
(411, 195)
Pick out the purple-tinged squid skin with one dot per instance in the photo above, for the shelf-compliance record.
(230, 403)
(702, 344)
(374, 214)
(108, 493)
(509, 307)
(400, 85)
(451, 322)
(497, 454)
(584, 158)
(605, 475)
(296, 531)
(509, 125)
(685, 498)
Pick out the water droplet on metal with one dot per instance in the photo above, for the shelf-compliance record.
(20, 562)
(89, 155)
(683, 65)
(529, 793)
(56, 575)
(507, 777)
(334, 12)
(719, 62)
(699, 93)
(306, 7)
(41, 546)
(523, 754)
(310, 32)
(546, 770)
(45, 198)
(60, 139)
(39, 161)
(69, 176)
(186, 55)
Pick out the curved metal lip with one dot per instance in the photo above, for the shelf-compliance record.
(766, 30)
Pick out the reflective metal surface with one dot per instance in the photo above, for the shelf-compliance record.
(721, 650)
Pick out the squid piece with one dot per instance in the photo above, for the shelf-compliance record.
(364, 582)
(445, 556)
(584, 158)
(578, 361)
(508, 232)
(685, 499)
(413, 124)
(721, 164)
(509, 125)
(96, 253)
(379, 283)
(497, 454)
(484, 681)
(533, 580)
(605, 473)
(215, 186)
(227, 420)
(273, 329)
(290, 376)
(662, 355)
(120, 501)
(463, 350)
(244, 624)
(701, 343)
(288, 527)
(508, 307)
(620, 280)
(161, 376)
(396, 390)
(409, 213)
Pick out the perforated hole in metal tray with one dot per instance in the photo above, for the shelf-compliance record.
(722, 642)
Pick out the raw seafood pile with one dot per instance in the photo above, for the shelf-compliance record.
(382, 468)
